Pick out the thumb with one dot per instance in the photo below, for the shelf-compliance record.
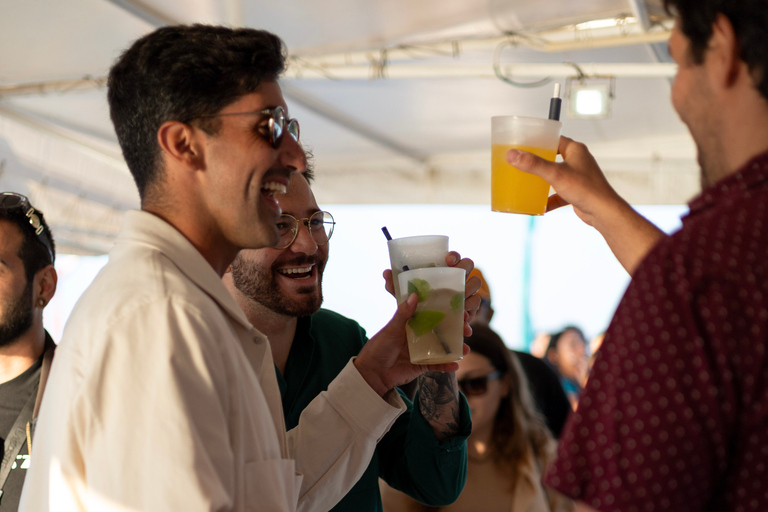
(528, 162)
(405, 311)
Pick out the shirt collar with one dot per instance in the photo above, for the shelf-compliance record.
(733, 186)
(145, 228)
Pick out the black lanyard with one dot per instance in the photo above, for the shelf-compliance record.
(15, 439)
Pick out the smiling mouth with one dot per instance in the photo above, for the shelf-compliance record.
(297, 272)
(270, 189)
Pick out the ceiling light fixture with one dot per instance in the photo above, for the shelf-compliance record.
(589, 97)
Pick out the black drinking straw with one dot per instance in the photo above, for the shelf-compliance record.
(389, 237)
(554, 104)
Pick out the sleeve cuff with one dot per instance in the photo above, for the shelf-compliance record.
(352, 396)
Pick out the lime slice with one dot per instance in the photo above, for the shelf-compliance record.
(420, 287)
(457, 301)
(424, 321)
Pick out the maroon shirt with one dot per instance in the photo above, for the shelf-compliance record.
(675, 413)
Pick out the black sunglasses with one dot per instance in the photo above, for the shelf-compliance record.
(279, 124)
(10, 201)
(477, 385)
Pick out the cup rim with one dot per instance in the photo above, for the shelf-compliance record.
(413, 238)
(528, 118)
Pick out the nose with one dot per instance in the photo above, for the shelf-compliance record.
(292, 155)
(304, 243)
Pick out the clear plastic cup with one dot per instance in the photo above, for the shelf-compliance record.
(512, 190)
(414, 252)
(435, 332)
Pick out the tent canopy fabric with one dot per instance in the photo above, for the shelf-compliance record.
(394, 97)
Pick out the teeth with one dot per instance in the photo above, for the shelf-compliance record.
(295, 270)
(273, 188)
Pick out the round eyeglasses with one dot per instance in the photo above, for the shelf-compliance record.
(10, 201)
(279, 124)
(320, 226)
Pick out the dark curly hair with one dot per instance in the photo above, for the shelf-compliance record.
(749, 19)
(180, 73)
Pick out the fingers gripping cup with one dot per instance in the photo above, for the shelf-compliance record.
(435, 332)
(512, 190)
(414, 252)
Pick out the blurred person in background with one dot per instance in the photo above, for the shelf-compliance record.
(548, 394)
(27, 284)
(510, 446)
(567, 356)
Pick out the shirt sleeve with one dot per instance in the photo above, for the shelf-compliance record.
(413, 461)
(336, 436)
(653, 428)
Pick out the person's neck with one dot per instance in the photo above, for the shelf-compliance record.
(744, 133)
(218, 252)
(279, 329)
(17, 357)
(479, 444)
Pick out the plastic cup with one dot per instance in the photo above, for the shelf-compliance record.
(435, 332)
(514, 191)
(414, 252)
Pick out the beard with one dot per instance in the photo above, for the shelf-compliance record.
(258, 282)
(18, 317)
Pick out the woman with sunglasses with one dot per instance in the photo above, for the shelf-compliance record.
(510, 444)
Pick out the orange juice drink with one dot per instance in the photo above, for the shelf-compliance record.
(514, 191)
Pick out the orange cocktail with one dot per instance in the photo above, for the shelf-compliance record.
(514, 191)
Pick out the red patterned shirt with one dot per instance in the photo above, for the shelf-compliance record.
(675, 414)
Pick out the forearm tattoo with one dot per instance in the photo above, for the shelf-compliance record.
(439, 402)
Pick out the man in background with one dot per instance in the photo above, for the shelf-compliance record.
(280, 289)
(27, 284)
(675, 412)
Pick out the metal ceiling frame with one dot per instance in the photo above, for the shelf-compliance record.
(157, 20)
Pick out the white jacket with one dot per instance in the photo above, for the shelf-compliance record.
(163, 397)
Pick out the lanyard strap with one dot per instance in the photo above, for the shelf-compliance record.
(15, 439)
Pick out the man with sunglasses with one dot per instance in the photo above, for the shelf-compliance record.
(163, 395)
(27, 284)
(280, 290)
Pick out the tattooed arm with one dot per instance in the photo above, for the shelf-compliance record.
(439, 403)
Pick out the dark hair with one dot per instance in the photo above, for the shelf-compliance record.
(518, 425)
(749, 19)
(309, 172)
(180, 73)
(555, 338)
(32, 252)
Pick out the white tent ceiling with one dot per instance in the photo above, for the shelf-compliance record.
(394, 96)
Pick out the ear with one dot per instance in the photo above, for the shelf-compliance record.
(724, 63)
(181, 143)
(45, 284)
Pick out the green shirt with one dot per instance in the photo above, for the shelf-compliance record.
(409, 457)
